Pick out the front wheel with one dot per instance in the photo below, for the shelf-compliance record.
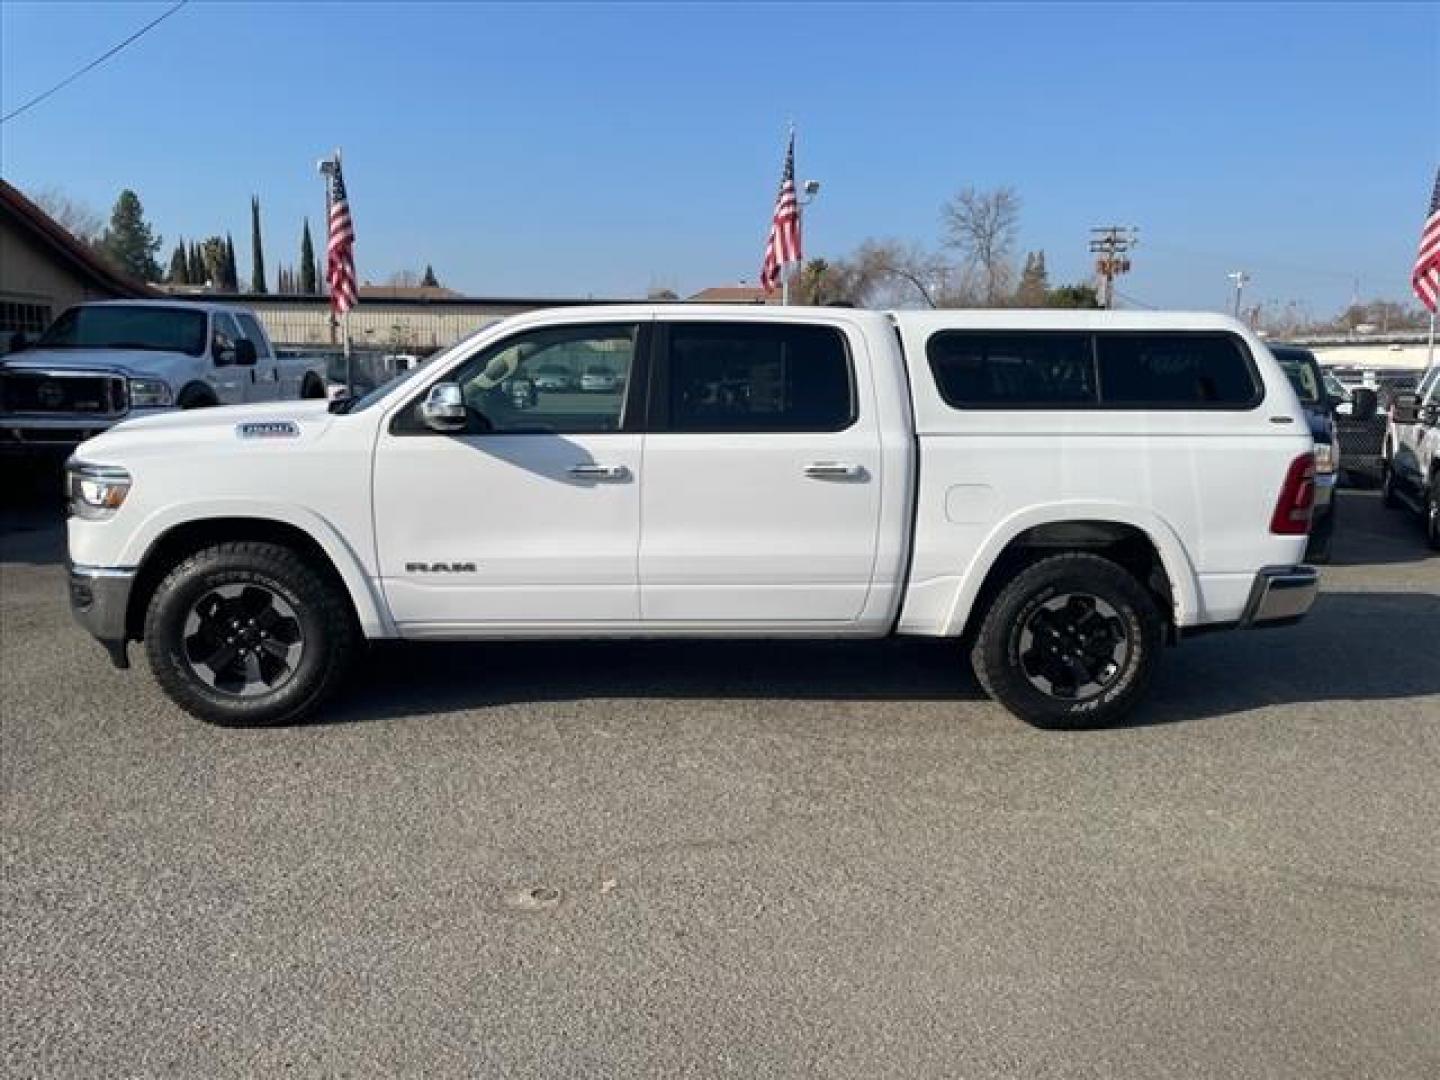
(1072, 641)
(248, 634)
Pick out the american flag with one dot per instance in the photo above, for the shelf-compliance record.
(340, 253)
(1425, 278)
(783, 247)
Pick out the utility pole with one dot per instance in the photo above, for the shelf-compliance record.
(1111, 245)
(1241, 279)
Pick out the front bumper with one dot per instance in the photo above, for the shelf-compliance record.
(100, 601)
(1281, 595)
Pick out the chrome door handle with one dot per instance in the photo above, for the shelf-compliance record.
(600, 472)
(834, 470)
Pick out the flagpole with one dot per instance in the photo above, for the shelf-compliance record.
(1430, 350)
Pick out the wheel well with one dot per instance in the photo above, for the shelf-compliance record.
(1127, 546)
(192, 536)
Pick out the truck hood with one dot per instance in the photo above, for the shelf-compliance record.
(129, 362)
(272, 424)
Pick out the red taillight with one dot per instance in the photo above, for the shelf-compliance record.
(1297, 499)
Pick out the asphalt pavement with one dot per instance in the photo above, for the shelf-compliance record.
(733, 859)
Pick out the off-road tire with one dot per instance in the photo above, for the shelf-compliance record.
(327, 623)
(996, 653)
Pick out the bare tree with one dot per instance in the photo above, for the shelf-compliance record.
(79, 220)
(404, 279)
(983, 226)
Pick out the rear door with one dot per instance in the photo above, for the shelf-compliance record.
(761, 500)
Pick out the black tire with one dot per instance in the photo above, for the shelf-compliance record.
(1387, 488)
(318, 609)
(196, 397)
(1321, 539)
(1020, 613)
(312, 389)
(1432, 513)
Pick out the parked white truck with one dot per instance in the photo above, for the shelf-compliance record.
(104, 362)
(1064, 492)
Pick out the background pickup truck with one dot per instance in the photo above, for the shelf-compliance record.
(101, 363)
(1064, 492)
(1412, 454)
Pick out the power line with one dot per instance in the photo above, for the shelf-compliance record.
(93, 63)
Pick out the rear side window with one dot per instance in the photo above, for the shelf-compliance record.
(1175, 371)
(985, 370)
(1013, 371)
(753, 377)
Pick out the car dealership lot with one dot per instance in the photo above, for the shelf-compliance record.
(739, 859)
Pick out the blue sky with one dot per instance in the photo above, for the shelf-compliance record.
(603, 149)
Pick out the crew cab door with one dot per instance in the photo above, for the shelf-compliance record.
(229, 380)
(531, 516)
(265, 383)
(761, 501)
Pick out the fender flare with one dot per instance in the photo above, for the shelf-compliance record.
(370, 609)
(1173, 556)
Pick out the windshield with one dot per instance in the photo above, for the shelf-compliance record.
(1302, 377)
(117, 326)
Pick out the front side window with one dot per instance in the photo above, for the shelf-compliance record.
(732, 377)
(1013, 371)
(1169, 371)
(122, 326)
(250, 330)
(531, 383)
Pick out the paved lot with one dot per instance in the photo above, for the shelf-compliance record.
(797, 860)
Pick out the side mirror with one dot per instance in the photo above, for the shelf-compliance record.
(444, 408)
(1406, 409)
(1366, 404)
(245, 354)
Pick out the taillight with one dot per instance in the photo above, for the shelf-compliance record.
(1297, 499)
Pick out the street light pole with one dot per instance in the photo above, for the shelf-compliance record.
(1241, 279)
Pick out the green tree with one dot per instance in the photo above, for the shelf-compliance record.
(129, 242)
(430, 281)
(179, 265)
(198, 275)
(232, 273)
(213, 256)
(1034, 287)
(308, 281)
(257, 251)
(1073, 296)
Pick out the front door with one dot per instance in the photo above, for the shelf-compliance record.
(761, 501)
(264, 384)
(229, 380)
(531, 516)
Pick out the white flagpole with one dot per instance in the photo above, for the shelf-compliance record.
(1430, 351)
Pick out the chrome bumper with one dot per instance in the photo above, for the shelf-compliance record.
(1281, 595)
(99, 600)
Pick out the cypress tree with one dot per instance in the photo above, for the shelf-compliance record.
(232, 274)
(198, 276)
(179, 265)
(257, 252)
(430, 281)
(308, 282)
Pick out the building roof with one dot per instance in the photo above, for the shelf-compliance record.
(57, 241)
(735, 294)
(403, 300)
(408, 292)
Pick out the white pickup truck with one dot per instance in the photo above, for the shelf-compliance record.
(1064, 492)
(101, 363)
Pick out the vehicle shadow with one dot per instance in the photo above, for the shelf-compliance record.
(1367, 534)
(1209, 676)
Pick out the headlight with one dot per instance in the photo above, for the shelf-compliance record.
(1325, 457)
(150, 394)
(95, 492)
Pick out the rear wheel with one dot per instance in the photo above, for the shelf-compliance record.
(1432, 513)
(249, 633)
(312, 389)
(1072, 641)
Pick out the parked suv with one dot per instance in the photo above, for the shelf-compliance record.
(1412, 454)
(1064, 492)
